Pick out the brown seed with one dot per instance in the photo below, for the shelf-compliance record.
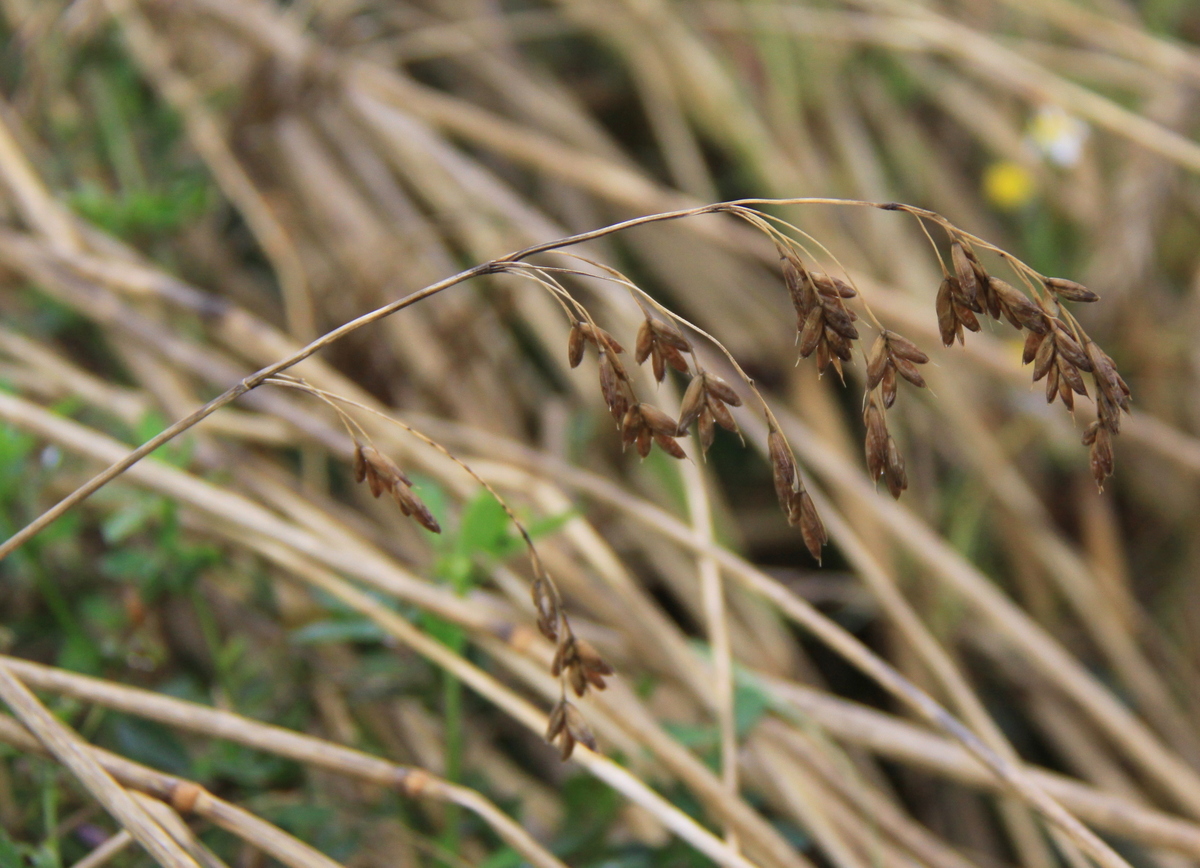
(694, 398)
(876, 440)
(658, 421)
(610, 387)
(894, 475)
(675, 359)
(721, 415)
(964, 270)
(908, 371)
(1043, 360)
(669, 446)
(668, 335)
(558, 720)
(812, 529)
(547, 609)
(796, 279)
(877, 362)
(841, 321)
(658, 365)
(1101, 456)
(948, 322)
(783, 468)
(1070, 290)
(810, 334)
(1069, 375)
(360, 463)
(888, 387)
(645, 439)
(645, 343)
(575, 346)
(1033, 342)
(1051, 383)
(900, 346)
(707, 432)
(1070, 349)
(599, 338)
(1016, 306)
(579, 729)
(721, 390)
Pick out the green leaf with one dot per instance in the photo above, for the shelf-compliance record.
(484, 526)
(150, 743)
(320, 632)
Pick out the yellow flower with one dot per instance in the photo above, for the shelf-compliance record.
(1008, 185)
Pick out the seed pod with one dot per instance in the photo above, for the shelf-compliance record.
(1015, 305)
(1033, 342)
(707, 432)
(669, 446)
(579, 729)
(564, 656)
(658, 421)
(721, 390)
(722, 416)
(894, 475)
(667, 334)
(1101, 456)
(908, 371)
(658, 366)
(645, 439)
(812, 529)
(645, 343)
(575, 346)
(1051, 383)
(1070, 290)
(600, 338)
(948, 325)
(1044, 359)
(547, 609)
(558, 720)
(876, 440)
(1070, 349)
(839, 346)
(888, 387)
(610, 387)
(903, 348)
(877, 362)
(1069, 374)
(841, 321)
(360, 463)
(674, 358)
(964, 271)
(795, 277)
(813, 329)
(694, 399)
(783, 468)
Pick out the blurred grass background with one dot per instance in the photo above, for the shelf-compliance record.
(190, 187)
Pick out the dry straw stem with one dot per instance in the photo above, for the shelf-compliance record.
(493, 266)
(496, 265)
(68, 435)
(152, 55)
(185, 797)
(908, 27)
(67, 748)
(305, 749)
(106, 851)
(1097, 807)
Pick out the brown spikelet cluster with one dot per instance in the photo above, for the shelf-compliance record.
(576, 663)
(664, 345)
(795, 501)
(706, 402)
(381, 474)
(825, 324)
(1056, 344)
(568, 728)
